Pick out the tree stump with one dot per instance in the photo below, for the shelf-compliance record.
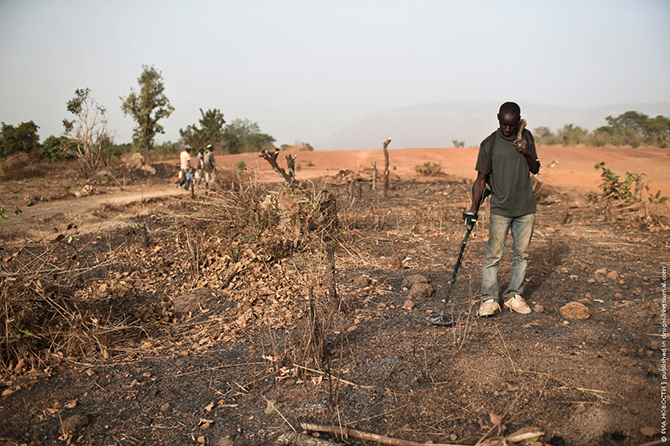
(386, 167)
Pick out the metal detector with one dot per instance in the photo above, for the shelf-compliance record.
(442, 319)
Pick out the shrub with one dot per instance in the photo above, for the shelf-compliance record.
(613, 187)
(428, 168)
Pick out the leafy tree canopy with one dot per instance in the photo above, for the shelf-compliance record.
(630, 128)
(147, 107)
(56, 148)
(210, 131)
(22, 138)
(242, 135)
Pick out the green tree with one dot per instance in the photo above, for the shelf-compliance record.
(571, 135)
(88, 131)
(543, 135)
(601, 136)
(22, 138)
(147, 107)
(242, 135)
(657, 131)
(210, 130)
(56, 148)
(628, 128)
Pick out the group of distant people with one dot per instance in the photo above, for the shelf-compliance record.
(205, 168)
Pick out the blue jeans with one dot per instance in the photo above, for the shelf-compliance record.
(522, 232)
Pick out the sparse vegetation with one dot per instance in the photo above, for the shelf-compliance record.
(628, 129)
(612, 185)
(428, 168)
(88, 132)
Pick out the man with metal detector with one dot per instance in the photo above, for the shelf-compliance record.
(505, 161)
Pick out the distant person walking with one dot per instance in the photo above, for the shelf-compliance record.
(185, 166)
(209, 165)
(199, 164)
(505, 163)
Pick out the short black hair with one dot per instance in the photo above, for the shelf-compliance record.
(510, 108)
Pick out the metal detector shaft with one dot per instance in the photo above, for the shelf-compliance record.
(458, 264)
(441, 319)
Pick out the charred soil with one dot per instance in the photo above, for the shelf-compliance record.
(212, 320)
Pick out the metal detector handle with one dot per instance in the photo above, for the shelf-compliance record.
(470, 218)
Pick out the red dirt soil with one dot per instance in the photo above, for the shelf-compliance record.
(574, 168)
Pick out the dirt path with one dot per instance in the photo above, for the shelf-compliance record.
(42, 216)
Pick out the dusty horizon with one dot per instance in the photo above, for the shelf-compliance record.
(572, 168)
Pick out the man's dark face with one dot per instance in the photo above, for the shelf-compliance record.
(508, 123)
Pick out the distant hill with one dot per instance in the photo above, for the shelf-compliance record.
(437, 124)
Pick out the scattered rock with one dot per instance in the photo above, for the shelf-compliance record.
(649, 431)
(613, 275)
(362, 281)
(538, 308)
(191, 302)
(73, 424)
(581, 408)
(575, 311)
(7, 392)
(584, 301)
(625, 351)
(654, 344)
(618, 296)
(414, 278)
(225, 441)
(394, 262)
(601, 271)
(421, 291)
(408, 305)
(165, 407)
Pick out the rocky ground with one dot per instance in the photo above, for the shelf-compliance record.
(212, 320)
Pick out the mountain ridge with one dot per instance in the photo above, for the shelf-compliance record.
(437, 124)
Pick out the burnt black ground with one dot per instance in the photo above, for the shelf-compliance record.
(594, 382)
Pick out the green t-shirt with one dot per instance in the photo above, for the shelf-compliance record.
(509, 176)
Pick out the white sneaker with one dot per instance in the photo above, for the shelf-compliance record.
(489, 308)
(518, 305)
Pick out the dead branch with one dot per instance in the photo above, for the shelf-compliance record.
(290, 163)
(347, 432)
(386, 166)
(332, 282)
(271, 157)
(374, 175)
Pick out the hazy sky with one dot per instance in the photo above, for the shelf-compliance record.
(304, 69)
